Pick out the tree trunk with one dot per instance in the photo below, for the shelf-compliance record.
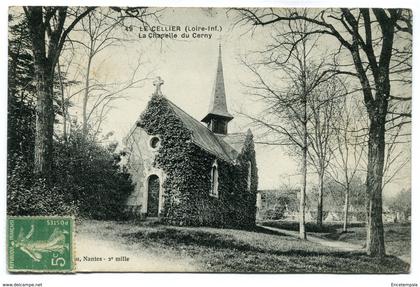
(44, 73)
(346, 208)
(375, 234)
(63, 103)
(302, 203)
(44, 122)
(86, 97)
(302, 231)
(320, 198)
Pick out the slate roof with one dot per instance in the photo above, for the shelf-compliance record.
(203, 137)
(235, 140)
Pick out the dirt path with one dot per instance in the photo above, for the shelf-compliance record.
(98, 253)
(344, 246)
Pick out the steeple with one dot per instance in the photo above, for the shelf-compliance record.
(218, 116)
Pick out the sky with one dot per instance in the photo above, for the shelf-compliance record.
(188, 68)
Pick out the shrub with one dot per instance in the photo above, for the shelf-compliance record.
(91, 173)
(87, 182)
(29, 196)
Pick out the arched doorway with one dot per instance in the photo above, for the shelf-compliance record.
(153, 188)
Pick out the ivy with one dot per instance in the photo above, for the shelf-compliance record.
(187, 168)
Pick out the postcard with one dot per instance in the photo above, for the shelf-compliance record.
(215, 140)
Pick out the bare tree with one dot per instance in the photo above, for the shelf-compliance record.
(350, 144)
(49, 29)
(397, 145)
(371, 39)
(324, 106)
(287, 79)
(99, 29)
(48, 34)
(350, 150)
(65, 98)
(107, 94)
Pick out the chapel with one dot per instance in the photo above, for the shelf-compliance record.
(190, 172)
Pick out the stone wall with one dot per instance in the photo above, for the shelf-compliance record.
(140, 158)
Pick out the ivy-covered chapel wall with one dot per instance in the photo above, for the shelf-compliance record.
(187, 199)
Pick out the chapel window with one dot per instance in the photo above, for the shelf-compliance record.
(154, 142)
(214, 176)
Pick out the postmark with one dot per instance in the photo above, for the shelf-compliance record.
(40, 244)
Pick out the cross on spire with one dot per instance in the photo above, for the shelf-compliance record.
(158, 83)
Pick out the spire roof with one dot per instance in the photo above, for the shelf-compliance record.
(218, 105)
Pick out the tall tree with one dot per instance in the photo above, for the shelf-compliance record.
(47, 34)
(99, 31)
(349, 147)
(370, 36)
(324, 107)
(288, 81)
(21, 106)
(49, 28)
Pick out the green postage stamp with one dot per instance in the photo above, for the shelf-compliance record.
(40, 244)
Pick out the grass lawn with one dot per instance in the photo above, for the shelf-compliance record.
(229, 250)
(397, 235)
